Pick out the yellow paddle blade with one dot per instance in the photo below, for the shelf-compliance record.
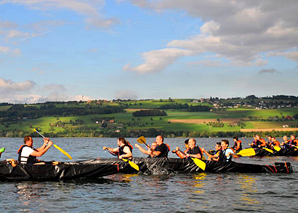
(132, 164)
(142, 139)
(247, 152)
(268, 150)
(201, 164)
(277, 148)
(61, 150)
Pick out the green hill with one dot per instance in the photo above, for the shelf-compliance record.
(170, 117)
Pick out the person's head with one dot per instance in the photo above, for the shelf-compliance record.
(293, 137)
(153, 145)
(269, 137)
(235, 138)
(121, 141)
(28, 140)
(258, 137)
(186, 143)
(159, 139)
(273, 139)
(191, 143)
(285, 138)
(218, 146)
(224, 144)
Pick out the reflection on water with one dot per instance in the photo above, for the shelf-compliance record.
(248, 185)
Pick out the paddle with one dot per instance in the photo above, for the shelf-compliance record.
(57, 147)
(142, 140)
(201, 164)
(277, 148)
(247, 152)
(132, 164)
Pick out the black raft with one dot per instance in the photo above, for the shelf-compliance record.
(103, 167)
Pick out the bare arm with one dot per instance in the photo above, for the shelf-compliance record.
(147, 152)
(128, 153)
(37, 153)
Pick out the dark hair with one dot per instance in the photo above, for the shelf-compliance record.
(269, 136)
(162, 138)
(121, 139)
(27, 138)
(186, 141)
(235, 138)
(218, 143)
(225, 141)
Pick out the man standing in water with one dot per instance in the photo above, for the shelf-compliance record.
(28, 154)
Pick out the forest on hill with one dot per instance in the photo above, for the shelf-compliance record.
(206, 117)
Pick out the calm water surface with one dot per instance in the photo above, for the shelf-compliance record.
(199, 192)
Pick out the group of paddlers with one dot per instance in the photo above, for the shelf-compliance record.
(259, 142)
(159, 149)
(222, 150)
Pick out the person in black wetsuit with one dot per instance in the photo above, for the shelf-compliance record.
(124, 150)
(161, 149)
(193, 150)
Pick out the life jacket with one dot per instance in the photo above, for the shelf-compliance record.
(276, 143)
(293, 142)
(169, 149)
(30, 159)
(223, 157)
(262, 142)
(235, 146)
(200, 152)
(121, 148)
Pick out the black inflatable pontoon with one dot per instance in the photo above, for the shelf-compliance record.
(103, 167)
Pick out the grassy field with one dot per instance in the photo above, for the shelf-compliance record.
(176, 120)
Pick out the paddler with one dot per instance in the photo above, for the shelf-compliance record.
(226, 153)
(237, 144)
(149, 151)
(124, 149)
(215, 156)
(27, 153)
(194, 151)
(258, 142)
(179, 153)
(292, 142)
(161, 149)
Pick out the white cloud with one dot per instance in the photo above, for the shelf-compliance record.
(292, 55)
(8, 86)
(236, 30)
(157, 60)
(87, 8)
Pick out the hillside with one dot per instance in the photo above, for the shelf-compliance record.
(171, 117)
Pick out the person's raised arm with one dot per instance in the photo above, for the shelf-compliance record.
(37, 153)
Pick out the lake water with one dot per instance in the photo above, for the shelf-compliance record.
(199, 192)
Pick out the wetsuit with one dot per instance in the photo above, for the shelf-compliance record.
(121, 152)
(223, 157)
(163, 149)
(235, 146)
(194, 151)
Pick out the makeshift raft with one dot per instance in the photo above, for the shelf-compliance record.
(103, 167)
(263, 152)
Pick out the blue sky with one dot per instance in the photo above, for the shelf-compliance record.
(52, 50)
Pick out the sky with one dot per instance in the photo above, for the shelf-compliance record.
(54, 50)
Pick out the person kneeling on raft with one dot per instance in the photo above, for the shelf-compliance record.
(124, 149)
(27, 153)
